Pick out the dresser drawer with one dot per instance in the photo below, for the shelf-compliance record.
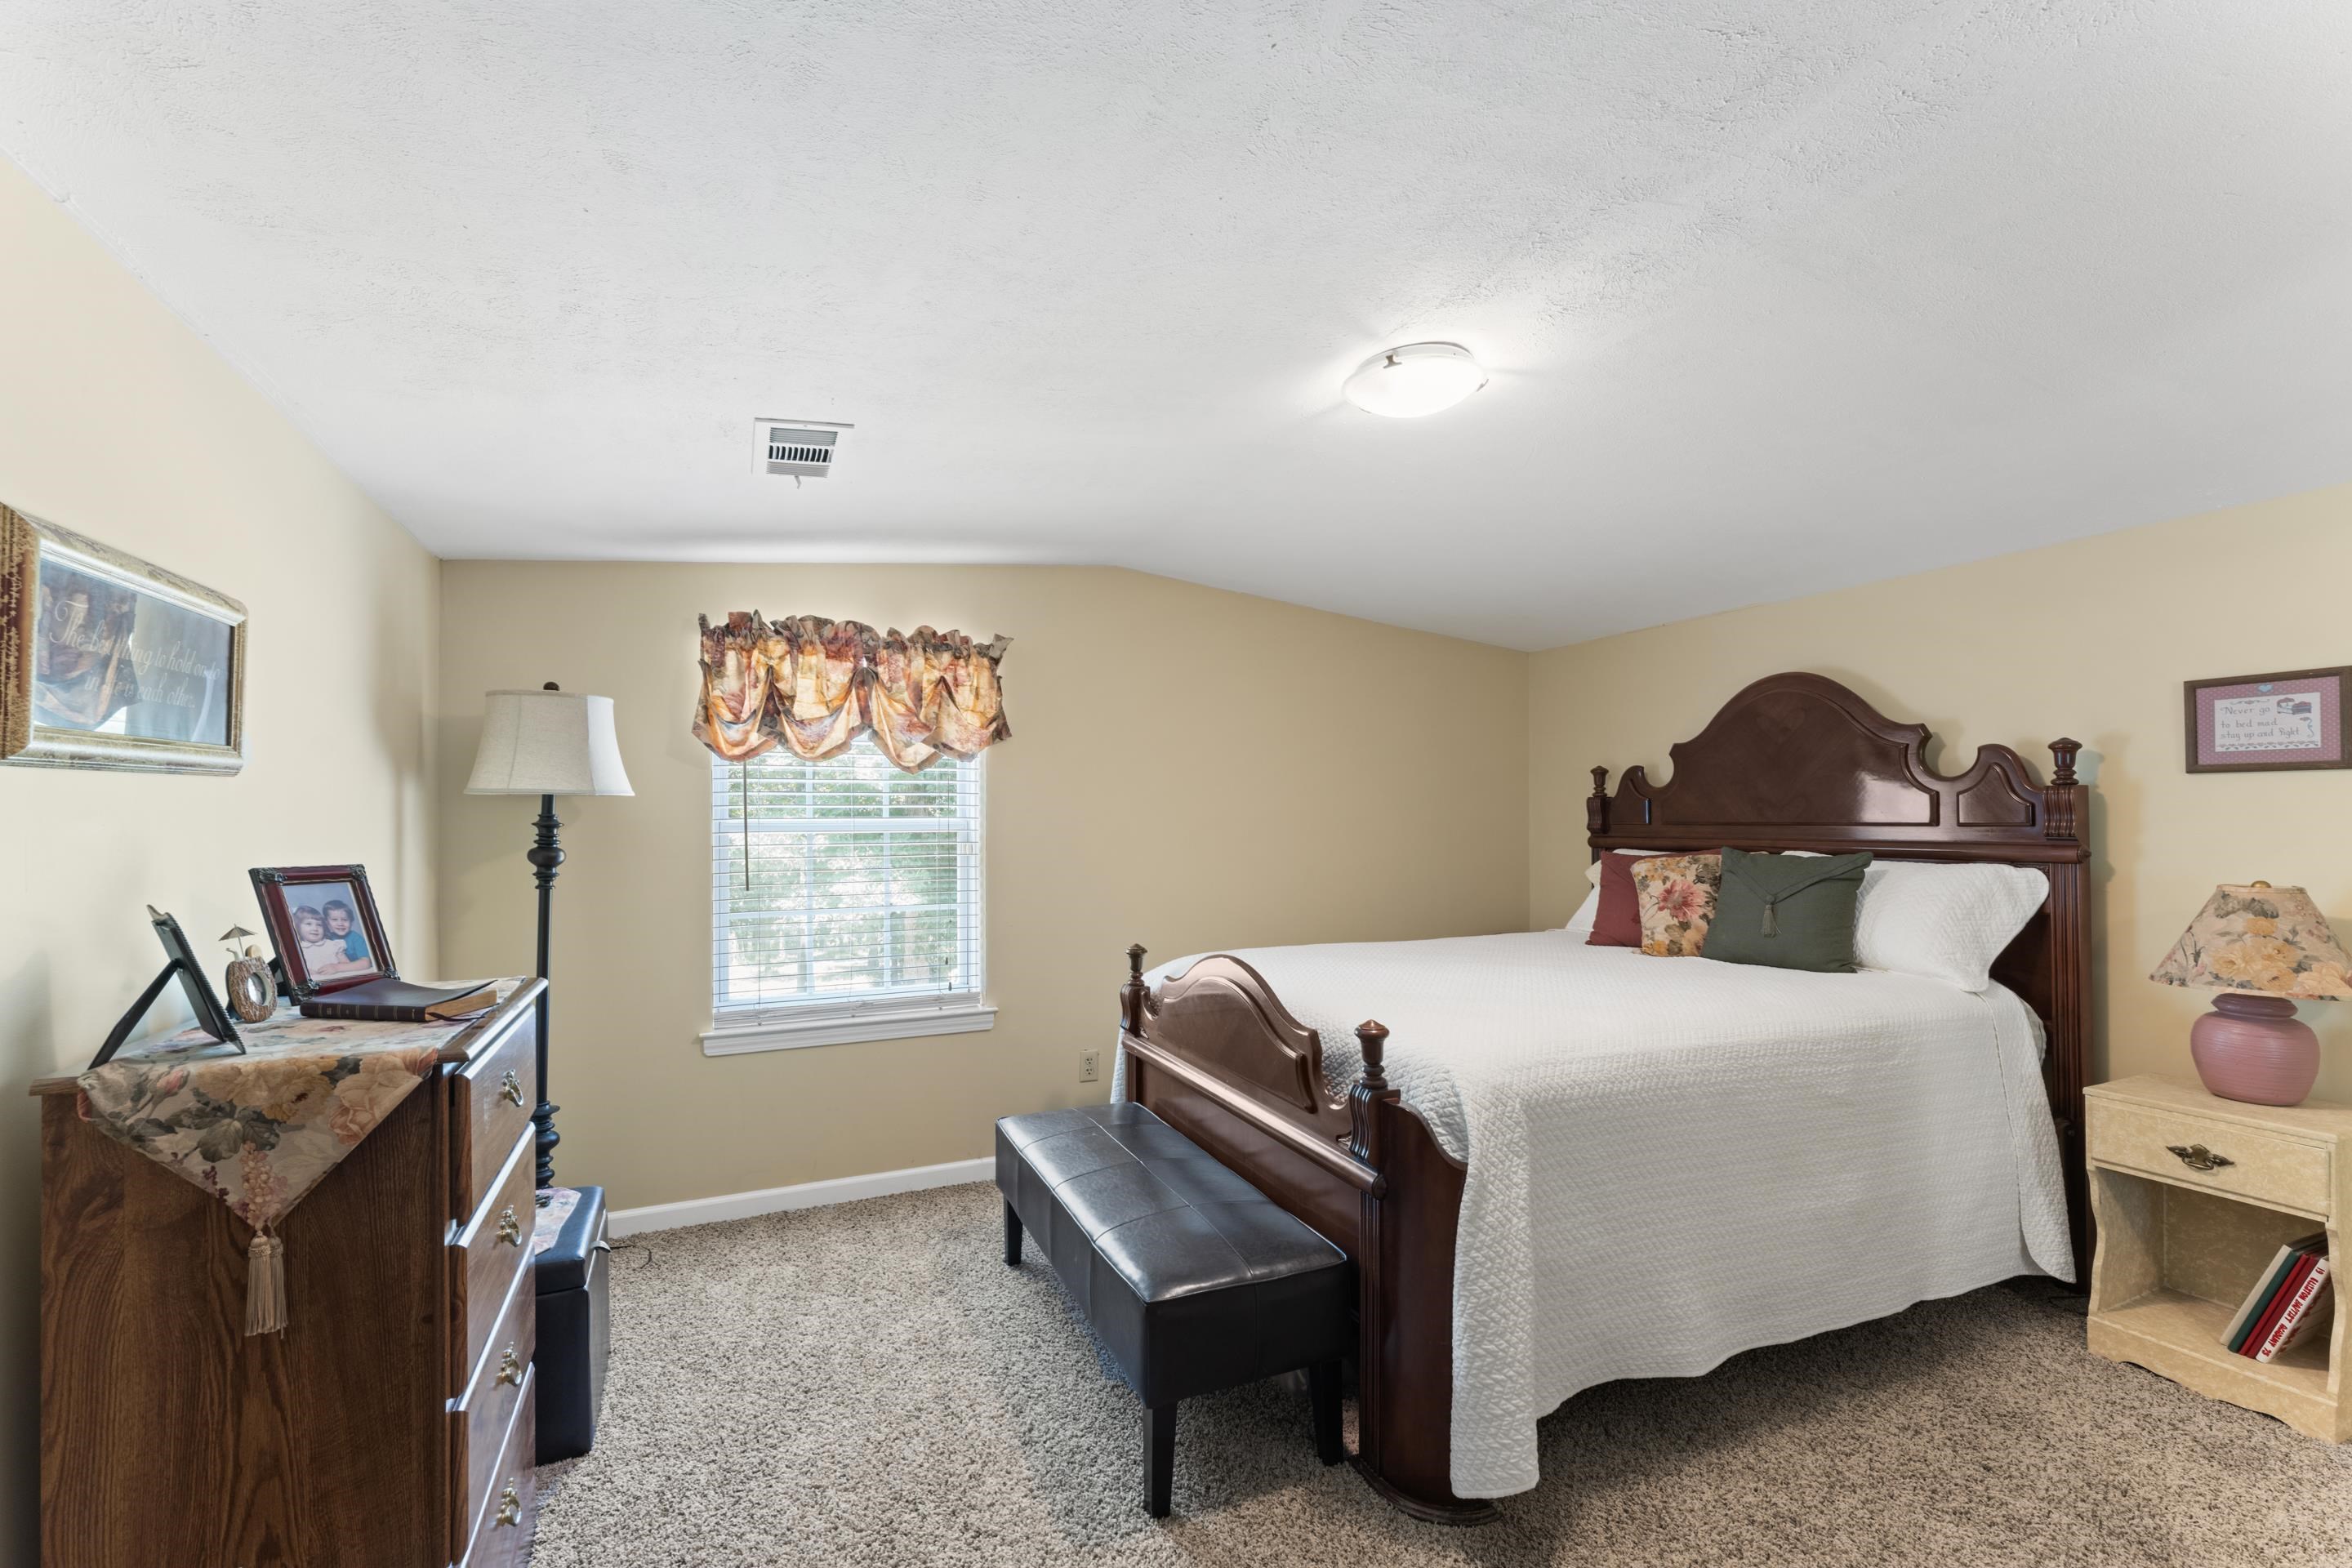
(479, 1422)
(489, 1105)
(484, 1258)
(502, 1535)
(2263, 1168)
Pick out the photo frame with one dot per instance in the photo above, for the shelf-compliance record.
(109, 661)
(320, 952)
(211, 1016)
(2290, 719)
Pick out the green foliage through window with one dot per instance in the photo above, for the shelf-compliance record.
(844, 881)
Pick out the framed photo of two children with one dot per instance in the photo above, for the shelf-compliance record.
(2259, 723)
(323, 923)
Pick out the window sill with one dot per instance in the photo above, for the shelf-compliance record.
(837, 1029)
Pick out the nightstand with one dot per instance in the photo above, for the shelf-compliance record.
(2193, 1196)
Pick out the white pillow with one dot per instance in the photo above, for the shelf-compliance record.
(1946, 922)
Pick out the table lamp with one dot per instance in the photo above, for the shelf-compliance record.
(2262, 949)
(547, 742)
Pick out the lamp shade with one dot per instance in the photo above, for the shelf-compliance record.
(548, 743)
(2260, 938)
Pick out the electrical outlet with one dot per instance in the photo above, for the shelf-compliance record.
(1089, 1065)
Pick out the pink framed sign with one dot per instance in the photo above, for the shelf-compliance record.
(2251, 724)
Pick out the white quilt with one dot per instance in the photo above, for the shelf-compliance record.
(1675, 1160)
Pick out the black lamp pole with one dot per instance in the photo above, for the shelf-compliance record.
(545, 855)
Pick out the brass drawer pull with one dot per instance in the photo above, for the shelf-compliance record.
(509, 1369)
(510, 1506)
(511, 1089)
(510, 1228)
(2198, 1157)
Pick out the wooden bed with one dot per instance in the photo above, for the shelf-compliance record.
(1793, 761)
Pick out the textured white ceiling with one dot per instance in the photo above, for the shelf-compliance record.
(1776, 296)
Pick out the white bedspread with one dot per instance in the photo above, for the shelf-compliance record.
(1674, 1160)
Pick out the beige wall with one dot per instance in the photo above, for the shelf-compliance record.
(1189, 769)
(2091, 639)
(118, 421)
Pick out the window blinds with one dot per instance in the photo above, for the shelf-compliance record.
(842, 885)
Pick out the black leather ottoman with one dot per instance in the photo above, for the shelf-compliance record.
(575, 1332)
(1193, 1280)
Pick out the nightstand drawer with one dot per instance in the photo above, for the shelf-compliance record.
(2261, 1167)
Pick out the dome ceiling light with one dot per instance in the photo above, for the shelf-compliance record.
(1408, 382)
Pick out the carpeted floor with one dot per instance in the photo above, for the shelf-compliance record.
(869, 1384)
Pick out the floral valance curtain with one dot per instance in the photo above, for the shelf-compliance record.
(813, 686)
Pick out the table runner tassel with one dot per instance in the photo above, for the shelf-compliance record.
(265, 1284)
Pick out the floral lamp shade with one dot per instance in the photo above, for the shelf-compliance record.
(2261, 938)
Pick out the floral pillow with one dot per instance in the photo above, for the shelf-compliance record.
(1677, 898)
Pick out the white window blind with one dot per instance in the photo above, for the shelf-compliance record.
(842, 890)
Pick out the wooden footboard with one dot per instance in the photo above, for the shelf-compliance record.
(1214, 1053)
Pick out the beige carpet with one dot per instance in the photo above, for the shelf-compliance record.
(869, 1384)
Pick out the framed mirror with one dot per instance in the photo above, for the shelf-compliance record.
(109, 661)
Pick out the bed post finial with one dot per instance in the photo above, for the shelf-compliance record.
(1364, 1099)
(1130, 995)
(1596, 804)
(2061, 812)
(1373, 1037)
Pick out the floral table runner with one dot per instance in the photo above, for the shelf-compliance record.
(259, 1131)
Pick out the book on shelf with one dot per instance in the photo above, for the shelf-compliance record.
(2311, 1305)
(404, 1002)
(2267, 1319)
(2275, 1288)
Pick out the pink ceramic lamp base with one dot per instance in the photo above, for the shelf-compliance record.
(2255, 1049)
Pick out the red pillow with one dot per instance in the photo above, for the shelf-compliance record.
(1617, 918)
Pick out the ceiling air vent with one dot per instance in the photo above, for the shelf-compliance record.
(801, 447)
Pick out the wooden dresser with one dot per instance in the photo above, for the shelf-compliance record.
(389, 1427)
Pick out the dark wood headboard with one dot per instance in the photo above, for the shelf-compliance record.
(1798, 762)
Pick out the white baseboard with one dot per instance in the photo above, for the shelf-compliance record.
(806, 1195)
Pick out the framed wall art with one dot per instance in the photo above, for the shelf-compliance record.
(2255, 723)
(323, 923)
(109, 661)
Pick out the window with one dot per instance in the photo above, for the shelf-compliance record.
(845, 902)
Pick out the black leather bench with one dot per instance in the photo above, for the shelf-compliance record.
(1191, 1278)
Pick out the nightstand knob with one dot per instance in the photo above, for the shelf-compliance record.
(510, 1506)
(2198, 1157)
(510, 1368)
(510, 1228)
(511, 1089)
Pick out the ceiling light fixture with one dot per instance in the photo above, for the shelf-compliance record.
(1416, 379)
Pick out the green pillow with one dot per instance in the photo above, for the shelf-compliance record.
(1787, 911)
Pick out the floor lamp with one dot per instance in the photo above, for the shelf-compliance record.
(547, 742)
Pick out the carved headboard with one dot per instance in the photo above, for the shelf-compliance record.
(1798, 762)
